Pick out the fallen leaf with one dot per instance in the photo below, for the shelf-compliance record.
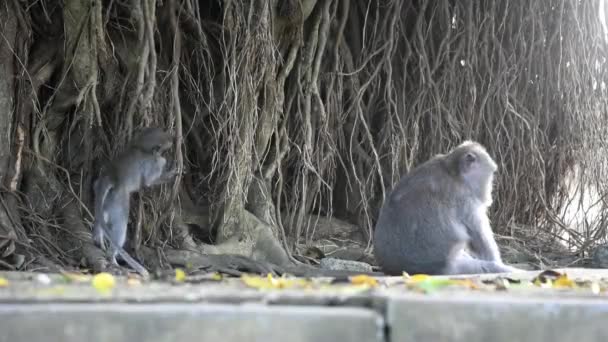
(546, 276)
(281, 282)
(3, 282)
(428, 283)
(103, 282)
(270, 282)
(180, 275)
(564, 281)
(256, 281)
(364, 280)
(432, 284)
(465, 283)
(416, 278)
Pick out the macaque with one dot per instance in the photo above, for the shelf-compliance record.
(435, 221)
(140, 165)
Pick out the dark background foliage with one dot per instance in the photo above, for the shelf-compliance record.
(292, 119)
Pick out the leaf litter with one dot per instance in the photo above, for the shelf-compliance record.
(423, 283)
(545, 281)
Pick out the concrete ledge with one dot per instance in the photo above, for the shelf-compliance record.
(466, 318)
(185, 322)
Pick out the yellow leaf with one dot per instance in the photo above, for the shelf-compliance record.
(428, 283)
(363, 280)
(103, 282)
(417, 278)
(431, 285)
(256, 282)
(3, 282)
(180, 275)
(216, 276)
(270, 282)
(280, 283)
(465, 283)
(564, 281)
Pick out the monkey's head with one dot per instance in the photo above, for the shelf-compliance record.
(475, 168)
(152, 140)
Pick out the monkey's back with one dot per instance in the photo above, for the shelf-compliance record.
(417, 221)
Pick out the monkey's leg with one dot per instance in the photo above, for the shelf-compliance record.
(163, 178)
(132, 263)
(118, 235)
(98, 235)
(482, 241)
(117, 250)
(468, 265)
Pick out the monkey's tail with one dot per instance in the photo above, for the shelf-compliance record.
(131, 262)
(123, 254)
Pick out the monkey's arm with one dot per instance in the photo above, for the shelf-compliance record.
(154, 173)
(165, 177)
(482, 241)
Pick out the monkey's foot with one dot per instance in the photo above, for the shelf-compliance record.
(117, 269)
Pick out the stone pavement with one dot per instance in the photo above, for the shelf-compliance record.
(157, 311)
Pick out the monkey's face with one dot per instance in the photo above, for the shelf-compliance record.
(477, 170)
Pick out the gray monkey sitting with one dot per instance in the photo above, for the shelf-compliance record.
(435, 220)
(140, 165)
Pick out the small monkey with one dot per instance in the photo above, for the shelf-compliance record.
(435, 220)
(140, 165)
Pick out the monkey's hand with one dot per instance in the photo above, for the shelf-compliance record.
(166, 176)
(170, 174)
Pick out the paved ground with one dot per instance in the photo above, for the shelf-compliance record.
(33, 309)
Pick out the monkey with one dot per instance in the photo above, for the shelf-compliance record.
(435, 219)
(140, 165)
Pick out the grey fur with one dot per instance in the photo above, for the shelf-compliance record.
(140, 165)
(436, 215)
